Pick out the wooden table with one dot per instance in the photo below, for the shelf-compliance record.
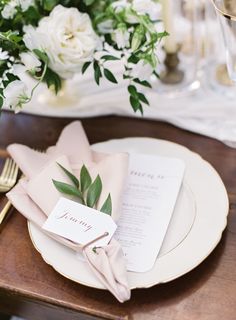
(31, 288)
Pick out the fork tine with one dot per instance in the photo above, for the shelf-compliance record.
(11, 174)
(9, 170)
(15, 173)
(4, 168)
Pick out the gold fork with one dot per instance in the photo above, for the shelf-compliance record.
(7, 180)
(9, 175)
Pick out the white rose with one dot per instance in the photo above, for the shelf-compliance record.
(9, 10)
(15, 94)
(33, 39)
(30, 61)
(148, 7)
(67, 37)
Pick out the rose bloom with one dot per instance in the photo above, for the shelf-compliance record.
(67, 37)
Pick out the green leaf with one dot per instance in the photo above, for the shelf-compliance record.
(108, 57)
(133, 59)
(107, 206)
(10, 40)
(109, 75)
(143, 83)
(11, 77)
(160, 35)
(85, 66)
(143, 98)
(95, 250)
(5, 83)
(14, 36)
(41, 55)
(67, 189)
(126, 76)
(94, 192)
(49, 4)
(138, 37)
(97, 72)
(88, 2)
(73, 178)
(85, 179)
(32, 16)
(52, 79)
(1, 102)
(133, 91)
(136, 105)
(156, 74)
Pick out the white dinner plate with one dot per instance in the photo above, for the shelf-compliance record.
(199, 219)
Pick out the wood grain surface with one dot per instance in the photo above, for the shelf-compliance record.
(31, 288)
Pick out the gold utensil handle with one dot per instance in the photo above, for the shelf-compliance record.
(5, 205)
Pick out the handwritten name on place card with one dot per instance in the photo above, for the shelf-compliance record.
(79, 223)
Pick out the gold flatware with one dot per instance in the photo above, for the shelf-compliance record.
(8, 178)
(8, 175)
(5, 209)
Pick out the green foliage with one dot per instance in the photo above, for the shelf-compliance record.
(67, 189)
(48, 5)
(1, 101)
(10, 41)
(89, 2)
(110, 76)
(73, 178)
(41, 55)
(52, 79)
(97, 72)
(107, 206)
(86, 191)
(108, 57)
(9, 78)
(94, 192)
(143, 83)
(85, 179)
(85, 67)
(136, 99)
(141, 43)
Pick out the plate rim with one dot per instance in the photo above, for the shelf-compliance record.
(171, 278)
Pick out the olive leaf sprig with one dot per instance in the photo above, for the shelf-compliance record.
(84, 189)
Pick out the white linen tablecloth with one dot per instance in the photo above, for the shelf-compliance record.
(204, 111)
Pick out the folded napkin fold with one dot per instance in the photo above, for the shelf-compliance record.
(35, 195)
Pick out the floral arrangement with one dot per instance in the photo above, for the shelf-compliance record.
(52, 40)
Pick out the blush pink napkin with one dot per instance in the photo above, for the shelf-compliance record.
(35, 195)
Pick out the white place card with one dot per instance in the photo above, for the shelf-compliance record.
(79, 223)
(148, 202)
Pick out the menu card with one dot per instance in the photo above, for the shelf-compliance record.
(148, 202)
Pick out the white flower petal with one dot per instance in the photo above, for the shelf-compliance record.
(149, 7)
(68, 38)
(14, 93)
(9, 10)
(30, 61)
